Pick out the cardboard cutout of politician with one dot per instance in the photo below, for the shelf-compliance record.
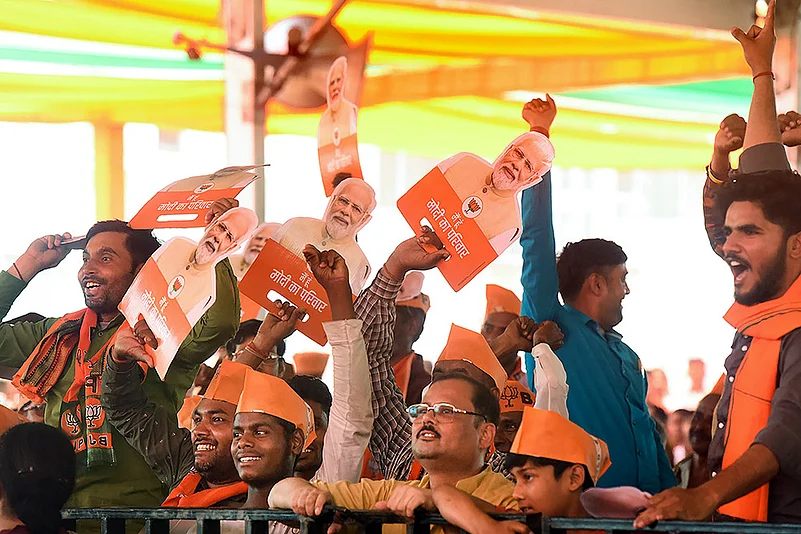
(177, 285)
(242, 262)
(280, 270)
(472, 205)
(336, 134)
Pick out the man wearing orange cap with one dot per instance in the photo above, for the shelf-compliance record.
(271, 428)
(412, 305)
(503, 307)
(553, 461)
(451, 434)
(514, 397)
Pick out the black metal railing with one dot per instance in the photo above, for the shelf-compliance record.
(157, 521)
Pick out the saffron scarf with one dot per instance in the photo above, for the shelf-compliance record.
(755, 384)
(185, 494)
(83, 420)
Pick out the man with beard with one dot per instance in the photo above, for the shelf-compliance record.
(607, 384)
(242, 262)
(489, 192)
(110, 472)
(348, 211)
(451, 434)
(754, 454)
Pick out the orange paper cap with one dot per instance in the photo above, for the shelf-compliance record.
(227, 383)
(471, 347)
(546, 434)
(500, 299)
(185, 413)
(515, 396)
(267, 394)
(310, 363)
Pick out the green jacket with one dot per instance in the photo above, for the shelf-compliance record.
(131, 482)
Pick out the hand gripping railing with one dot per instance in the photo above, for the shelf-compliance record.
(157, 521)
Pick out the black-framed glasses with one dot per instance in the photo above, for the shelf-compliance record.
(443, 412)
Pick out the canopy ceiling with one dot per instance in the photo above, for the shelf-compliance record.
(453, 70)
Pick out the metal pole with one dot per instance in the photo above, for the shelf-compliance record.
(245, 120)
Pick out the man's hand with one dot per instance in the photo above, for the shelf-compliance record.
(309, 501)
(519, 335)
(44, 253)
(685, 504)
(328, 267)
(278, 326)
(790, 127)
(219, 207)
(758, 43)
(548, 332)
(130, 345)
(730, 135)
(411, 255)
(539, 114)
(406, 499)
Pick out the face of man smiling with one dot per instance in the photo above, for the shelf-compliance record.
(107, 273)
(264, 448)
(211, 440)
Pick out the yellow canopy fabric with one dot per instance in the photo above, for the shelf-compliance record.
(437, 75)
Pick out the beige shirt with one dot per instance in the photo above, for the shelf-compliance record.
(296, 233)
(499, 218)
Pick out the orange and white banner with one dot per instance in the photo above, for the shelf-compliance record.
(277, 273)
(183, 204)
(433, 202)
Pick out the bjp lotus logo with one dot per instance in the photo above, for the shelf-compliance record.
(176, 286)
(202, 188)
(471, 207)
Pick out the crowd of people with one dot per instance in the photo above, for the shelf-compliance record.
(574, 432)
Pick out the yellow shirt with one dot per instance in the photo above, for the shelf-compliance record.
(487, 485)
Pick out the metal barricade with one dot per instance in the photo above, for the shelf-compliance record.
(157, 521)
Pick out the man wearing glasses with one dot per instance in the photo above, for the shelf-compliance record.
(452, 430)
(348, 212)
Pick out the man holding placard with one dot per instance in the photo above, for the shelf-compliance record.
(71, 350)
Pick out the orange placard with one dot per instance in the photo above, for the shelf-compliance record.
(170, 298)
(433, 200)
(278, 270)
(183, 204)
(339, 159)
(249, 309)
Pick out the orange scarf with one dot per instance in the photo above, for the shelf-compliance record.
(84, 422)
(403, 373)
(755, 384)
(185, 496)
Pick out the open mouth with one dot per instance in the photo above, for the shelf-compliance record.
(205, 447)
(91, 287)
(209, 246)
(248, 459)
(739, 269)
(427, 434)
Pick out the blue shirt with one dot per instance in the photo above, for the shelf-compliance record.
(606, 378)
